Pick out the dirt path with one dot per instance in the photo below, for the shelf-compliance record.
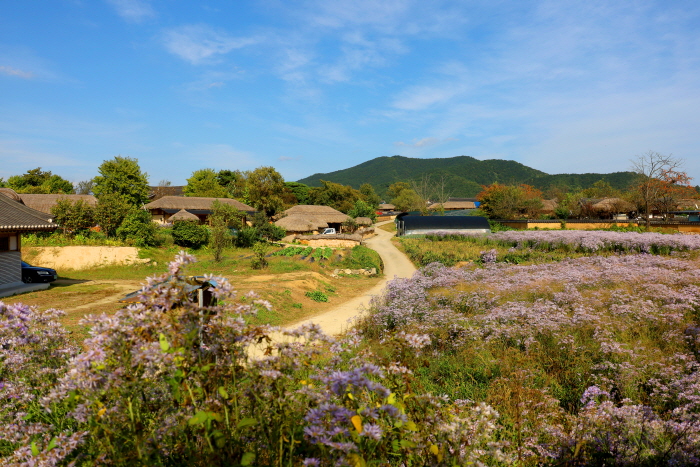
(396, 264)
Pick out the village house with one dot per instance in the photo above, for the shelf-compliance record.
(16, 219)
(44, 202)
(164, 210)
(304, 219)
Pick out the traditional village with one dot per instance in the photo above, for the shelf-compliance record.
(331, 233)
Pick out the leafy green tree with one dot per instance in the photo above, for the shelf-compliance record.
(222, 219)
(362, 209)
(190, 234)
(205, 183)
(335, 195)
(266, 190)
(84, 187)
(110, 211)
(300, 192)
(38, 181)
(73, 217)
(122, 176)
(234, 181)
(369, 195)
(408, 200)
(395, 189)
(138, 228)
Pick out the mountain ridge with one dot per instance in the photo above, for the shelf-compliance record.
(464, 175)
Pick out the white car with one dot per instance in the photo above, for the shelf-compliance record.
(328, 231)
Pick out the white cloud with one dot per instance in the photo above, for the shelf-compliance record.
(7, 70)
(133, 11)
(423, 142)
(222, 156)
(422, 97)
(199, 43)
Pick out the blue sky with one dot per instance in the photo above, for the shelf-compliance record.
(322, 85)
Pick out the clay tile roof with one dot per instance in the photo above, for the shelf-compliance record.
(194, 202)
(183, 215)
(44, 203)
(15, 216)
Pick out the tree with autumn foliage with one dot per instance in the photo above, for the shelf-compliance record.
(662, 183)
(509, 201)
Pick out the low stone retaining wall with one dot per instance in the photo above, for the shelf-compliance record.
(586, 224)
(361, 272)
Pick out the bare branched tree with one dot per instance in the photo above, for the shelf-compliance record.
(656, 173)
(431, 190)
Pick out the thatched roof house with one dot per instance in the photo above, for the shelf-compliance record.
(309, 218)
(164, 208)
(44, 203)
(301, 224)
(386, 207)
(549, 206)
(363, 221)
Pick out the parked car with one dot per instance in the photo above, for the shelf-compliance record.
(328, 231)
(37, 274)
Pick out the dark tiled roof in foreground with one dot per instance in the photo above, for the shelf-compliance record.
(18, 217)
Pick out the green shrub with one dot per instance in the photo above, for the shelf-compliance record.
(317, 296)
(247, 237)
(361, 257)
(259, 261)
(138, 228)
(190, 234)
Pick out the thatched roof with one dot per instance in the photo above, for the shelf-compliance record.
(44, 203)
(386, 207)
(452, 205)
(363, 221)
(301, 223)
(549, 205)
(325, 213)
(15, 217)
(10, 193)
(613, 205)
(183, 215)
(194, 203)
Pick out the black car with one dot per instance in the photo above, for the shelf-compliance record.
(36, 274)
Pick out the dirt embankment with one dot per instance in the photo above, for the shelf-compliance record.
(80, 257)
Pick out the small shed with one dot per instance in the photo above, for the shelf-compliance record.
(184, 215)
(424, 225)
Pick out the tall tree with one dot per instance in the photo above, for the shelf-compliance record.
(370, 196)
(39, 181)
(110, 211)
(300, 192)
(510, 201)
(122, 176)
(234, 181)
(204, 183)
(660, 176)
(266, 190)
(335, 195)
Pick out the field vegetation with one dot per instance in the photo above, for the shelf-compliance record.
(590, 356)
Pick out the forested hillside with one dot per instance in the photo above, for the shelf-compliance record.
(463, 175)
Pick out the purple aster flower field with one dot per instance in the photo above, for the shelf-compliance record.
(572, 358)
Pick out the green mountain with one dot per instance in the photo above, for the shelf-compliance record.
(463, 175)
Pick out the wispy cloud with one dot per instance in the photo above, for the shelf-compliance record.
(133, 11)
(423, 142)
(9, 71)
(200, 43)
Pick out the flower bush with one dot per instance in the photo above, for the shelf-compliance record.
(588, 361)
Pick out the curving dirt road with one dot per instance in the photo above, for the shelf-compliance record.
(396, 264)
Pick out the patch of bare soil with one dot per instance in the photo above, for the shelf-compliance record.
(82, 257)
